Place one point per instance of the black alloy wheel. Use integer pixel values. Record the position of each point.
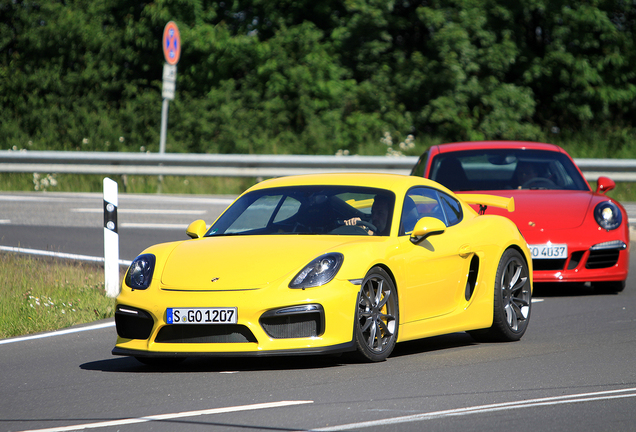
(512, 302)
(377, 316)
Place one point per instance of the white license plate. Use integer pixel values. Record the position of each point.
(202, 315)
(549, 251)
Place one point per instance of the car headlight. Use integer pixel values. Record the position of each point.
(140, 272)
(608, 215)
(318, 272)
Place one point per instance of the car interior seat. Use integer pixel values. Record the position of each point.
(451, 174)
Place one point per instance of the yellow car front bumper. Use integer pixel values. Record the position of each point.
(269, 321)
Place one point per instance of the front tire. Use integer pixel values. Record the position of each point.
(512, 302)
(377, 316)
(609, 287)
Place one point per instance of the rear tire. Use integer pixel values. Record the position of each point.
(512, 302)
(377, 316)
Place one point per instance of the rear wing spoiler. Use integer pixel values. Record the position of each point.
(484, 201)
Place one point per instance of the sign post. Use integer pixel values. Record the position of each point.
(171, 51)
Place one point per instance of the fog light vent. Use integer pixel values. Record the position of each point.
(603, 258)
(133, 323)
(301, 321)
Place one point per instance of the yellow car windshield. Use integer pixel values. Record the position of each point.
(327, 210)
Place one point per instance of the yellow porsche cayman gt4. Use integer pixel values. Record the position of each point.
(329, 263)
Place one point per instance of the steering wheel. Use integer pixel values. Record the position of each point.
(538, 182)
(367, 225)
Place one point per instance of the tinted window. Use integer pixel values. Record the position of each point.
(428, 202)
(452, 209)
(506, 169)
(420, 166)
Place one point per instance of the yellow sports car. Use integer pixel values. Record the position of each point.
(329, 263)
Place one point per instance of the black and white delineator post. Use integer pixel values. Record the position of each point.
(111, 239)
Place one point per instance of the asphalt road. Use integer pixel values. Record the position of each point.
(574, 370)
(74, 223)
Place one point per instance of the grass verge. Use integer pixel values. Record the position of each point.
(42, 294)
(623, 193)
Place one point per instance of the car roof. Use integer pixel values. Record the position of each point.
(476, 145)
(395, 182)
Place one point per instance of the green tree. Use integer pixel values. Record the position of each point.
(262, 76)
(582, 64)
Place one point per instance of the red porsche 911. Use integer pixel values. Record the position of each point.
(575, 234)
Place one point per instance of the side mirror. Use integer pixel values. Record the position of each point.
(427, 226)
(605, 184)
(196, 229)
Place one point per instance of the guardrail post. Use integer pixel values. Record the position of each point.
(111, 239)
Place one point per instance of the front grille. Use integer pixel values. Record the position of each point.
(133, 323)
(205, 333)
(599, 259)
(575, 259)
(294, 322)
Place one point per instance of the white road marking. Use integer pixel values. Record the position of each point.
(74, 197)
(173, 416)
(142, 211)
(5, 221)
(57, 333)
(480, 409)
(50, 198)
(178, 199)
(153, 225)
(58, 254)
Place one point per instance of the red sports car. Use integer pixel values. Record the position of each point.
(575, 234)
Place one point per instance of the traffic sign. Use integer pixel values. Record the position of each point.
(169, 81)
(171, 43)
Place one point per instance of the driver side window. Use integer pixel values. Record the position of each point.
(419, 203)
(452, 209)
(427, 202)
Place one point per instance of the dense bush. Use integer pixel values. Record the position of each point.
(315, 77)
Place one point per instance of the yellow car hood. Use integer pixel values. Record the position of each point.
(241, 262)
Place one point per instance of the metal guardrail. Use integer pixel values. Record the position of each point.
(237, 165)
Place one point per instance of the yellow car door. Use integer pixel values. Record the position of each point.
(435, 281)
